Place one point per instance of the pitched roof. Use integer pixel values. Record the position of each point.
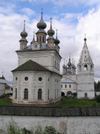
(4, 81)
(85, 55)
(67, 81)
(30, 66)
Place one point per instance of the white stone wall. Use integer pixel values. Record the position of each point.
(65, 125)
(66, 87)
(85, 84)
(71, 77)
(2, 88)
(81, 94)
(48, 59)
(50, 86)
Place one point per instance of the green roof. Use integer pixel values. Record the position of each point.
(30, 66)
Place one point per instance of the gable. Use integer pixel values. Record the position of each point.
(30, 66)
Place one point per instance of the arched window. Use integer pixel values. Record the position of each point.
(85, 95)
(55, 63)
(43, 39)
(25, 93)
(40, 38)
(69, 93)
(16, 78)
(48, 94)
(85, 67)
(91, 68)
(62, 94)
(15, 93)
(39, 94)
(79, 67)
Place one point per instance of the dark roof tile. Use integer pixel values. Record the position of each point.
(30, 66)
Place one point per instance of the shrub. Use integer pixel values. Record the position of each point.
(39, 130)
(49, 130)
(74, 94)
(97, 98)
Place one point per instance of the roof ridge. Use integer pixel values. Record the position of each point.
(30, 65)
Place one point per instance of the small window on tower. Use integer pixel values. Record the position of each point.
(85, 68)
(55, 63)
(40, 38)
(79, 67)
(43, 39)
(91, 68)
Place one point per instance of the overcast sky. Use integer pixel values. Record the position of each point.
(72, 18)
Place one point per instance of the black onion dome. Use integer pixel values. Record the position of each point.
(24, 33)
(51, 32)
(69, 63)
(56, 41)
(41, 24)
(73, 66)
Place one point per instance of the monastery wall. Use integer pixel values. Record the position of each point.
(66, 120)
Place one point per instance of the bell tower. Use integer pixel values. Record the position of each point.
(85, 74)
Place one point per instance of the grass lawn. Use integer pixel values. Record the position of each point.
(74, 102)
(65, 102)
(5, 102)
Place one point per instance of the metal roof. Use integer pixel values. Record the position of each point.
(30, 66)
(42, 46)
(5, 81)
(67, 81)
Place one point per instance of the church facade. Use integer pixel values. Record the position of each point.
(81, 83)
(37, 78)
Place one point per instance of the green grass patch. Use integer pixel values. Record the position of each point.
(5, 102)
(74, 102)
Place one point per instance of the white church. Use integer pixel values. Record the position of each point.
(81, 83)
(37, 78)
